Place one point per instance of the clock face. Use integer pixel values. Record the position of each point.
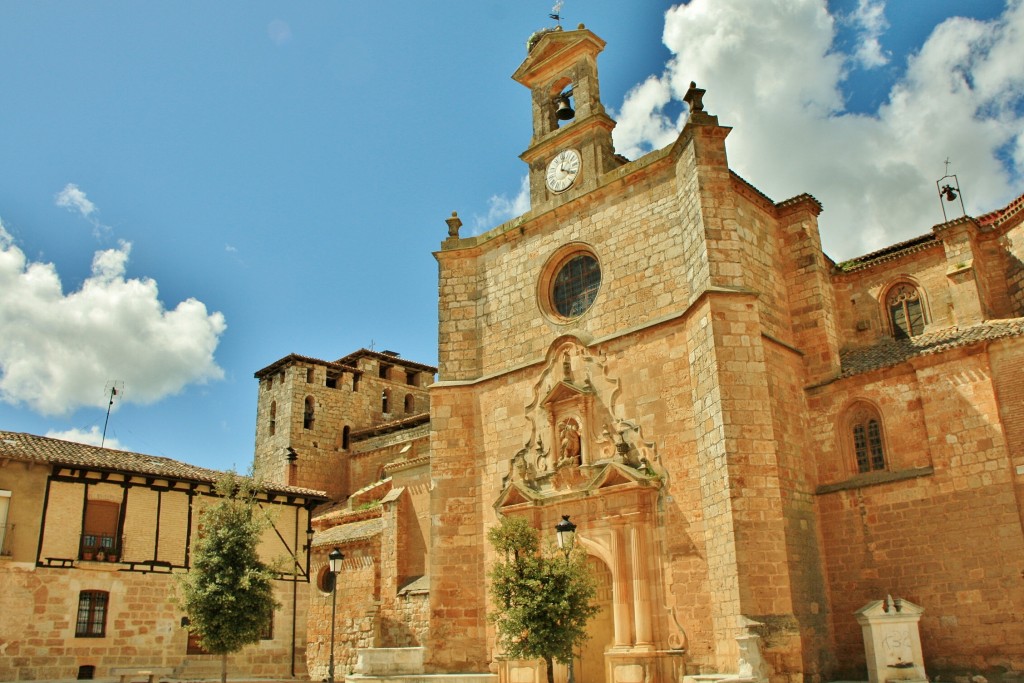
(563, 169)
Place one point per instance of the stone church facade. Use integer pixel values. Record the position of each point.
(755, 441)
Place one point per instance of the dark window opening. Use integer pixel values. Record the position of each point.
(410, 403)
(309, 375)
(92, 615)
(384, 371)
(307, 414)
(355, 382)
(273, 417)
(385, 398)
(345, 437)
(411, 377)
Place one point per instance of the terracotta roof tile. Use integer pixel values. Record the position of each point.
(42, 449)
(351, 359)
(890, 352)
(294, 357)
(347, 533)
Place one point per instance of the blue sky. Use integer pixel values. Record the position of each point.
(192, 190)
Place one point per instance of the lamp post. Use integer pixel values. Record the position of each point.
(565, 532)
(334, 562)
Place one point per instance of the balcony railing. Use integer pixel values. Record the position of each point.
(7, 541)
(100, 548)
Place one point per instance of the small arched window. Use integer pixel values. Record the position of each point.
(345, 432)
(385, 399)
(410, 403)
(273, 417)
(906, 310)
(866, 439)
(308, 413)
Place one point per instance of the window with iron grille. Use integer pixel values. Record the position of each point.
(92, 614)
(867, 445)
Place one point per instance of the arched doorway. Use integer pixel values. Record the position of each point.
(590, 663)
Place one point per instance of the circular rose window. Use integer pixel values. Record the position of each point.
(575, 284)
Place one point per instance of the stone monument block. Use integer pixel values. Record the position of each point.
(892, 640)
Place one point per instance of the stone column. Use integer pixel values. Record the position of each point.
(621, 592)
(641, 601)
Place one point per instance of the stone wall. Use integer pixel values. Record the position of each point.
(143, 627)
(322, 461)
(937, 527)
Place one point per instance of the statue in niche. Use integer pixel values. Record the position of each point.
(569, 444)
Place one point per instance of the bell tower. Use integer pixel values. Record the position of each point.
(572, 135)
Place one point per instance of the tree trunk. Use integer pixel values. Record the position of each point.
(551, 669)
(224, 668)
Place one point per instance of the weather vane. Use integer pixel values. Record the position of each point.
(556, 12)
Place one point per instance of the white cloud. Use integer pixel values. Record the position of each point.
(500, 208)
(92, 437)
(869, 18)
(73, 199)
(775, 76)
(59, 350)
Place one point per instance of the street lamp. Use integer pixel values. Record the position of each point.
(565, 532)
(334, 564)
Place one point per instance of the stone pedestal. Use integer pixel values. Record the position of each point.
(892, 640)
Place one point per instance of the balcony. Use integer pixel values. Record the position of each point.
(7, 540)
(100, 548)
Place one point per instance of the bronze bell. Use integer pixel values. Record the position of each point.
(564, 111)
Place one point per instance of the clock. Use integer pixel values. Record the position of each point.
(562, 170)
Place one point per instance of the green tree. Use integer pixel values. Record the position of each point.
(542, 599)
(227, 593)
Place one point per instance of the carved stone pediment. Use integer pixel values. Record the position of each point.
(593, 480)
(566, 391)
(576, 438)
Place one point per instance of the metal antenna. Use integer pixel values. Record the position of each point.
(114, 387)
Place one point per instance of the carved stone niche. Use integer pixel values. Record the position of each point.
(569, 410)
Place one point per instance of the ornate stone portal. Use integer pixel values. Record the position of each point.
(583, 457)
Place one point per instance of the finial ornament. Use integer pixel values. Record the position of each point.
(454, 223)
(694, 97)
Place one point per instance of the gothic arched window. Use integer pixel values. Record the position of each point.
(906, 310)
(864, 426)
